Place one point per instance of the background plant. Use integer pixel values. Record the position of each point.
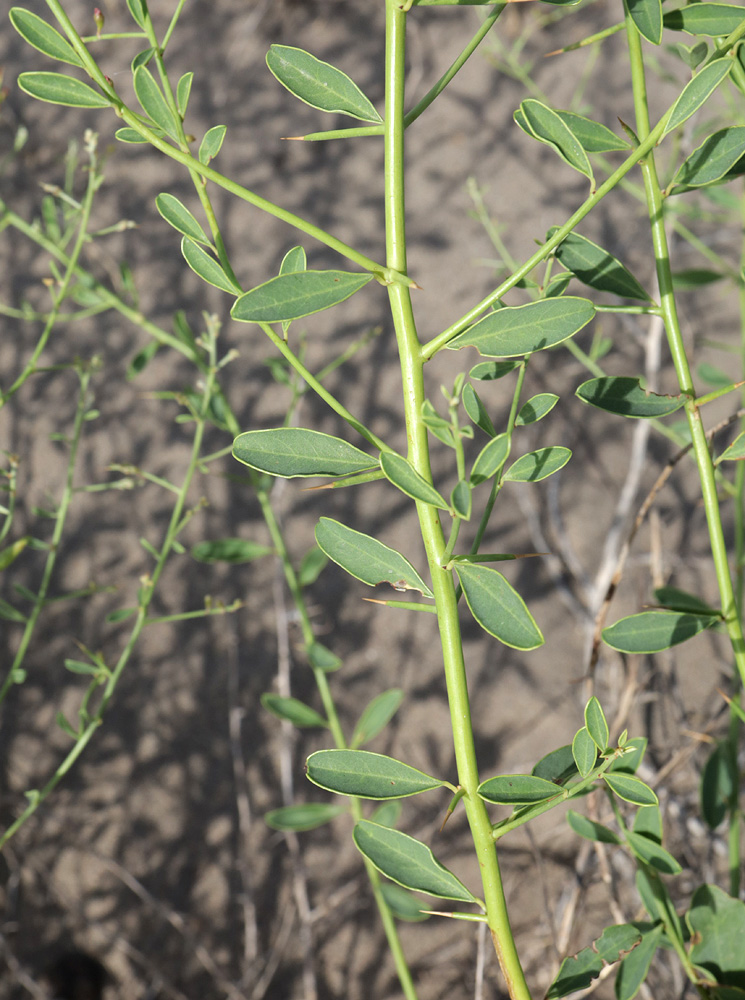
(570, 311)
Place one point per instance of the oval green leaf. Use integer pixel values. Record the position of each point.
(152, 101)
(490, 459)
(319, 84)
(402, 904)
(294, 260)
(652, 853)
(624, 395)
(178, 215)
(538, 465)
(367, 775)
(517, 330)
(56, 88)
(460, 500)
(596, 267)
(634, 968)
(497, 607)
(653, 631)
(138, 10)
(212, 143)
(705, 18)
(591, 830)
(376, 716)
(536, 408)
(292, 710)
(366, 558)
(303, 817)
(129, 135)
(294, 451)
(547, 126)
(183, 92)
(476, 410)
(489, 371)
(630, 788)
(207, 268)
(403, 475)
(291, 296)
(697, 91)
(408, 862)
(517, 789)
(322, 658)
(647, 16)
(230, 550)
(596, 723)
(42, 36)
(710, 161)
(557, 766)
(719, 782)
(584, 751)
(594, 137)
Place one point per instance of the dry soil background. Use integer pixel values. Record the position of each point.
(153, 854)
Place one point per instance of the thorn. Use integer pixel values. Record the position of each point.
(293, 138)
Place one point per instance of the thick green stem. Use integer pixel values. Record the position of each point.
(442, 581)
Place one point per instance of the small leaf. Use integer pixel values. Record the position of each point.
(138, 10)
(717, 924)
(647, 16)
(207, 268)
(56, 88)
(591, 830)
(10, 614)
(734, 452)
(402, 904)
(212, 143)
(695, 277)
(293, 261)
(705, 18)
(183, 92)
(319, 84)
(476, 410)
(178, 215)
(694, 55)
(489, 371)
(490, 459)
(376, 716)
(634, 968)
(312, 565)
(81, 667)
(10, 553)
(596, 267)
(518, 330)
(497, 607)
(366, 558)
(630, 788)
(367, 775)
(653, 631)
(651, 853)
(596, 724)
(719, 782)
(460, 499)
(294, 451)
(303, 817)
(584, 751)
(42, 36)
(697, 91)
(536, 408)
(715, 377)
(121, 615)
(517, 789)
(632, 757)
(594, 137)
(625, 396)
(322, 658)
(152, 101)
(557, 766)
(681, 600)
(577, 972)
(548, 127)
(293, 711)
(292, 296)
(403, 475)
(230, 550)
(709, 163)
(408, 862)
(129, 135)
(537, 465)
(387, 813)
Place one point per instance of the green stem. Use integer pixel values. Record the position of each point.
(442, 581)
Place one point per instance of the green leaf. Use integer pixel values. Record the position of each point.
(142, 59)
(632, 756)
(596, 267)
(634, 968)
(557, 766)
(322, 658)
(537, 465)
(207, 268)
(42, 36)
(367, 775)
(719, 783)
(697, 91)
(497, 607)
(596, 724)
(594, 137)
(81, 667)
(376, 716)
(292, 296)
(183, 92)
(319, 84)
(536, 408)
(591, 830)
(489, 371)
(717, 924)
(312, 565)
(152, 101)
(681, 600)
(648, 821)
(56, 88)
(584, 751)
(403, 475)
(544, 124)
(653, 631)
(212, 143)
(647, 16)
(625, 396)
(578, 971)
(387, 813)
(230, 550)
(630, 789)
(490, 459)
(517, 330)
(705, 18)
(402, 904)
(476, 410)
(10, 614)
(10, 553)
(709, 163)
(303, 817)
(460, 499)
(295, 451)
(695, 277)
(294, 260)
(408, 862)
(366, 558)
(517, 789)
(129, 135)
(651, 853)
(694, 55)
(735, 452)
(138, 10)
(121, 615)
(178, 215)
(713, 376)
(293, 711)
